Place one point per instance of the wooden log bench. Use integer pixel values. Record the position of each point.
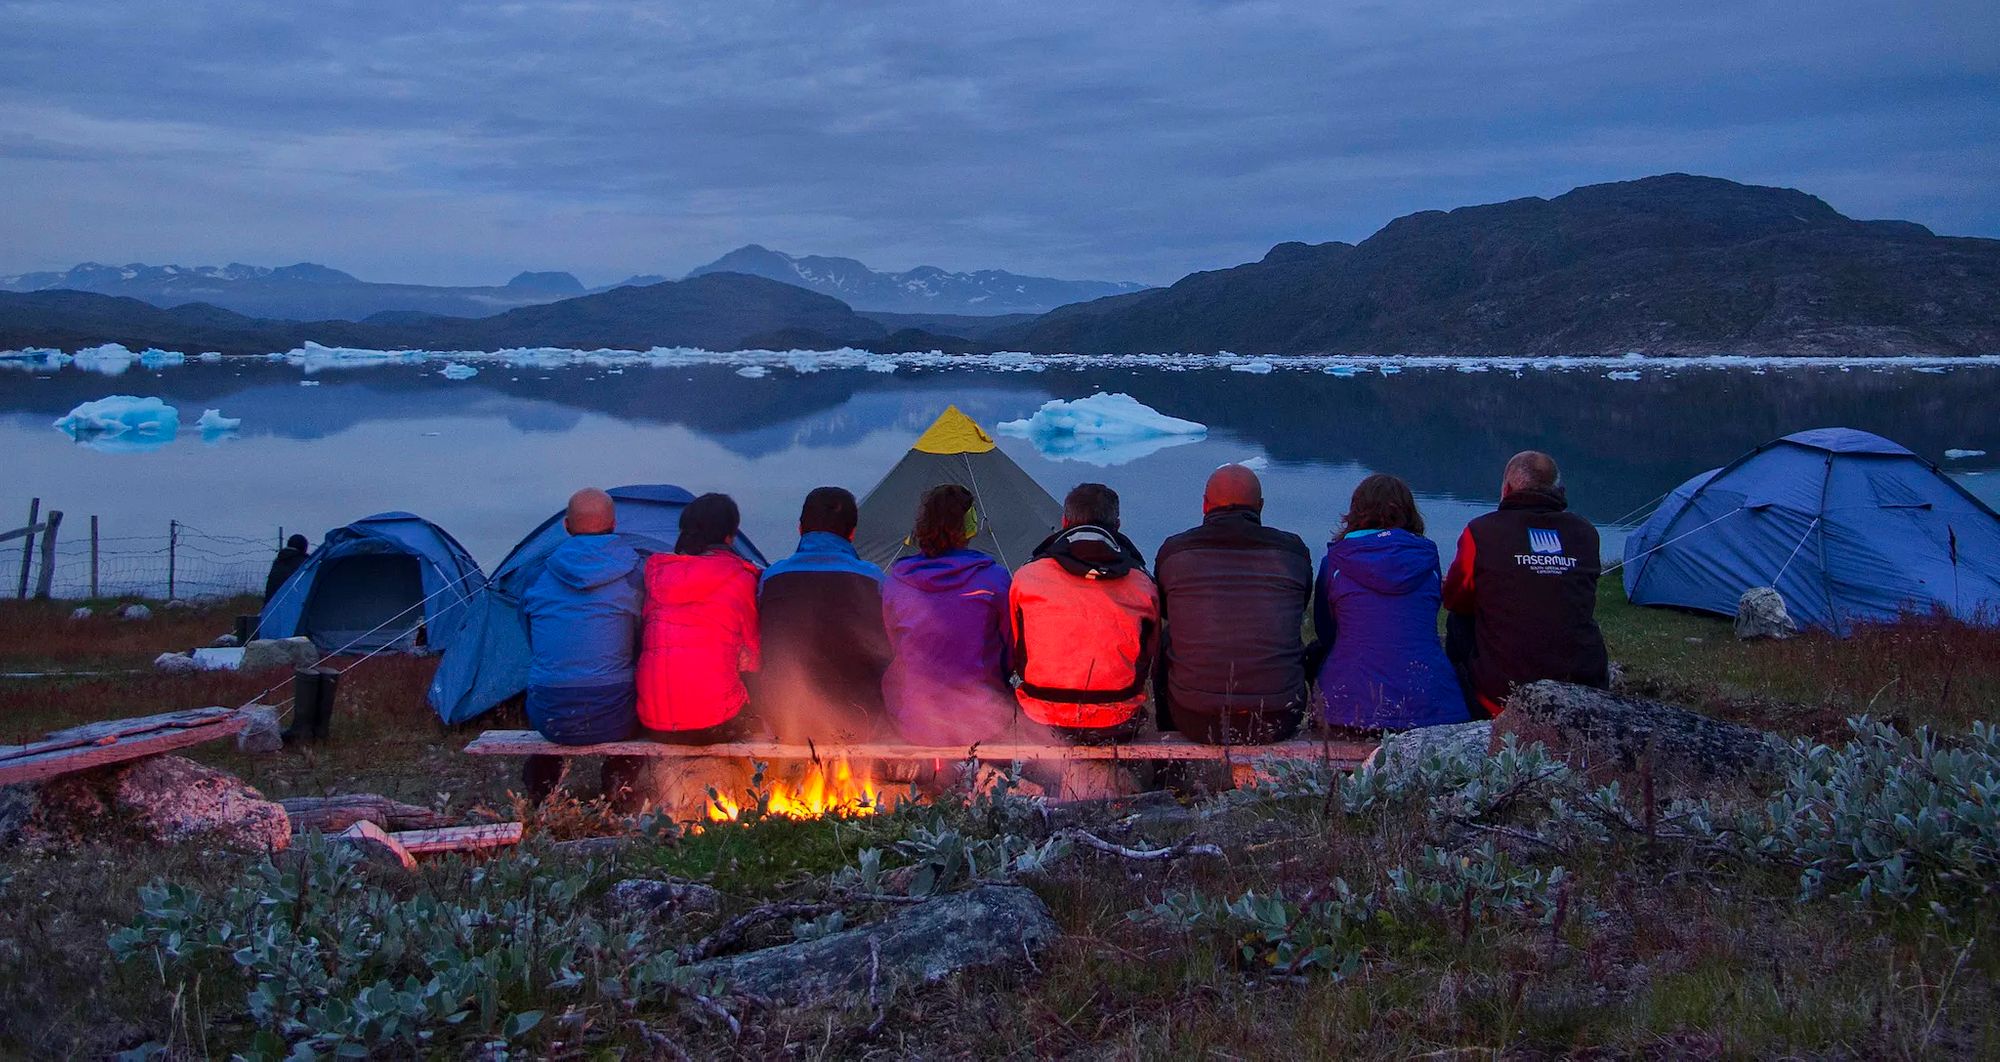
(115, 741)
(1164, 747)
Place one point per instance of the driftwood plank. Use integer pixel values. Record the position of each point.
(108, 730)
(50, 763)
(335, 813)
(459, 838)
(1170, 747)
(377, 843)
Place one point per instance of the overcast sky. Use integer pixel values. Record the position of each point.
(459, 143)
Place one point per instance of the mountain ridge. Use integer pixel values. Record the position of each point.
(922, 290)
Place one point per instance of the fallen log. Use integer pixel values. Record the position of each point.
(459, 838)
(332, 814)
(377, 844)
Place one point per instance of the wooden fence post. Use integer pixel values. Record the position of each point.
(173, 546)
(44, 581)
(28, 548)
(93, 555)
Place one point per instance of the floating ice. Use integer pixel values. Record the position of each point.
(155, 358)
(882, 365)
(209, 356)
(1256, 464)
(1103, 429)
(1259, 367)
(212, 422)
(457, 370)
(753, 372)
(1623, 374)
(308, 383)
(1960, 455)
(122, 424)
(109, 359)
(1344, 371)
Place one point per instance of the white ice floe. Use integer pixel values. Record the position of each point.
(109, 359)
(1622, 374)
(1961, 455)
(1102, 429)
(212, 422)
(457, 370)
(882, 365)
(155, 358)
(122, 423)
(209, 356)
(1256, 464)
(1260, 367)
(754, 372)
(1344, 371)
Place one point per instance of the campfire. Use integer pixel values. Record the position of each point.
(809, 790)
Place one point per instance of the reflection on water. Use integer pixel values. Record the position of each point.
(489, 457)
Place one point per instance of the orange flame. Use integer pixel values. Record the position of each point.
(821, 790)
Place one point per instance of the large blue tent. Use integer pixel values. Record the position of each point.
(392, 581)
(1847, 526)
(490, 662)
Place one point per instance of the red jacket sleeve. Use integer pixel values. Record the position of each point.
(746, 609)
(1458, 591)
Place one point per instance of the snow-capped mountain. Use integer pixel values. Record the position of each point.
(925, 289)
(302, 292)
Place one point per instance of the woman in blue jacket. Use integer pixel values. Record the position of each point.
(1375, 605)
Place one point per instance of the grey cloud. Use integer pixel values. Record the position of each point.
(465, 141)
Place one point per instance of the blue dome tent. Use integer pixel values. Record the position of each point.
(490, 662)
(393, 581)
(1847, 526)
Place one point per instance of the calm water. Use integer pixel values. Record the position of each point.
(489, 457)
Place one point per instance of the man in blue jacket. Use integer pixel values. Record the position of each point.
(583, 639)
(819, 617)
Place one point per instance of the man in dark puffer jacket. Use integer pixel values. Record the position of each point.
(1522, 592)
(819, 612)
(1233, 595)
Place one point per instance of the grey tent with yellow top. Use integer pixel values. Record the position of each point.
(1015, 513)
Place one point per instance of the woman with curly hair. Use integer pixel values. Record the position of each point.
(946, 610)
(1375, 608)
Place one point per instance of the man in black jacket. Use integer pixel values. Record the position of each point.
(819, 616)
(1233, 596)
(288, 561)
(1522, 592)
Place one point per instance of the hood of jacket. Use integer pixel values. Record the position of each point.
(1553, 500)
(1386, 562)
(1092, 552)
(943, 573)
(701, 574)
(586, 562)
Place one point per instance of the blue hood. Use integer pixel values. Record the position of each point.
(822, 551)
(586, 562)
(1386, 562)
(945, 572)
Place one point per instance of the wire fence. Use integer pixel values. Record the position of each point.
(178, 561)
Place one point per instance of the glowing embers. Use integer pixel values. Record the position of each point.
(801, 791)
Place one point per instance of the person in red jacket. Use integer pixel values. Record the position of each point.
(1086, 625)
(699, 630)
(1522, 592)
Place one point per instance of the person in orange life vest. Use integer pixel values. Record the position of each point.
(699, 630)
(1086, 620)
(1522, 592)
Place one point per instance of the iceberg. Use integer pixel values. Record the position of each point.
(1102, 429)
(1961, 455)
(212, 422)
(1622, 374)
(753, 372)
(1260, 367)
(458, 370)
(122, 424)
(110, 359)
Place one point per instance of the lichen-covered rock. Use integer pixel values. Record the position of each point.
(135, 612)
(175, 664)
(264, 653)
(1760, 613)
(264, 734)
(1609, 733)
(158, 800)
(655, 897)
(1400, 751)
(988, 926)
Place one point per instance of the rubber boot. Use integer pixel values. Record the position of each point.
(329, 684)
(305, 705)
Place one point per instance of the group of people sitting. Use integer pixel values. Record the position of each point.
(948, 648)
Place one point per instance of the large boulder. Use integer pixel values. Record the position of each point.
(988, 926)
(1403, 750)
(1760, 613)
(265, 653)
(1608, 734)
(158, 800)
(264, 733)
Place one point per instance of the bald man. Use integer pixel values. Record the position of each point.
(1522, 591)
(1233, 596)
(583, 637)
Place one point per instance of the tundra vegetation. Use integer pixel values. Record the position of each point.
(1497, 898)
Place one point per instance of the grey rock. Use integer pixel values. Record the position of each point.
(1401, 751)
(225, 641)
(593, 847)
(264, 734)
(652, 896)
(1600, 730)
(1760, 613)
(135, 612)
(265, 653)
(81, 612)
(175, 664)
(159, 800)
(988, 926)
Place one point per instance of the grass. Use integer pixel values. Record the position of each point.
(1679, 959)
